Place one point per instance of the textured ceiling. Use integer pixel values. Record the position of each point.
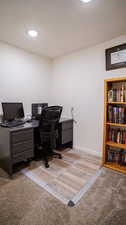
(63, 25)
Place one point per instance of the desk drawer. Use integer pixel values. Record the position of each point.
(22, 147)
(23, 156)
(23, 135)
(67, 136)
(67, 125)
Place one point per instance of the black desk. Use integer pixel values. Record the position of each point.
(17, 143)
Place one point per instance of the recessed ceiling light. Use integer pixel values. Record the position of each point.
(33, 33)
(85, 1)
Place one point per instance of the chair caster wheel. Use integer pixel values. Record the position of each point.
(47, 165)
(60, 157)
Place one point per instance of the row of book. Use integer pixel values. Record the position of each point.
(116, 114)
(115, 155)
(117, 135)
(117, 94)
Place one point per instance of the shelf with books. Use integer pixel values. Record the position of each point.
(117, 92)
(114, 145)
(116, 114)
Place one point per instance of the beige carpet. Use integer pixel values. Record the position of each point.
(22, 202)
(66, 179)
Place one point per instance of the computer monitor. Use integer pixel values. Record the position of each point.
(37, 109)
(12, 111)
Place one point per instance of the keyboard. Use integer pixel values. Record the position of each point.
(14, 123)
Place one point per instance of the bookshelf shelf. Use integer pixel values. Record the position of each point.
(113, 144)
(115, 131)
(116, 124)
(115, 166)
(118, 103)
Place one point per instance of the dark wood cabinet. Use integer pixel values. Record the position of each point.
(16, 145)
(65, 134)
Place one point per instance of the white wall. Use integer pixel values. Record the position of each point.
(74, 80)
(24, 76)
(78, 81)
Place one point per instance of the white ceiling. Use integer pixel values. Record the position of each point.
(63, 25)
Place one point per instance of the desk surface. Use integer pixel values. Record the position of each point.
(33, 124)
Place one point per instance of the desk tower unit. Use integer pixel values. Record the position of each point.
(114, 146)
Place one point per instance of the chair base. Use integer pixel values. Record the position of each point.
(44, 154)
(53, 154)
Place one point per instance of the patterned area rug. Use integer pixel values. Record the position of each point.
(67, 179)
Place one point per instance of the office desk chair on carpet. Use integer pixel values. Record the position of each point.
(48, 132)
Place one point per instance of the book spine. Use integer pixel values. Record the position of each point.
(125, 94)
(110, 95)
(122, 94)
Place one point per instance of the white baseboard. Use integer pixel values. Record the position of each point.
(90, 151)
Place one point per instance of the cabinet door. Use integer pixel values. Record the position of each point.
(22, 145)
(67, 125)
(67, 136)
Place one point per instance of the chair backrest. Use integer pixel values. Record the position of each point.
(50, 118)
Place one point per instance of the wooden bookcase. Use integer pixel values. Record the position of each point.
(118, 86)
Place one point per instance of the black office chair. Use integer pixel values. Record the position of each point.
(48, 126)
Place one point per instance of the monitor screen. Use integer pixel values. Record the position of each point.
(37, 108)
(12, 111)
